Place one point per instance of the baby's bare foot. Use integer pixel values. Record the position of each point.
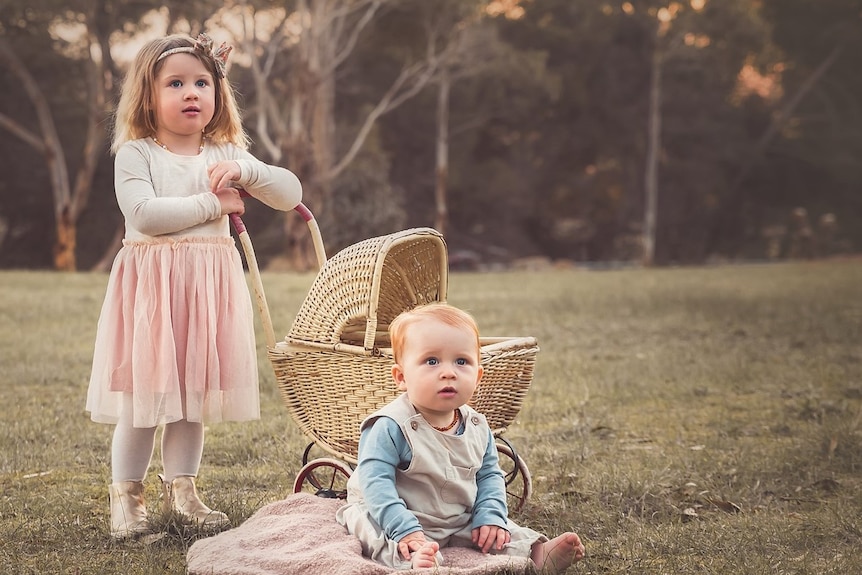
(426, 556)
(555, 556)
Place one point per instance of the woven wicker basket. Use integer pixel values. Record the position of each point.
(334, 367)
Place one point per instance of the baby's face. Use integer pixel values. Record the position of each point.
(439, 367)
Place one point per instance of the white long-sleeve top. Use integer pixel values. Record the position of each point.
(161, 193)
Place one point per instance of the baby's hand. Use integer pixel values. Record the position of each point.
(411, 542)
(230, 200)
(489, 537)
(222, 173)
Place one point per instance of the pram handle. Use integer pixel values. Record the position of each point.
(254, 268)
(316, 237)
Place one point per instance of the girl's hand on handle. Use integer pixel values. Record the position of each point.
(230, 200)
(222, 173)
(411, 542)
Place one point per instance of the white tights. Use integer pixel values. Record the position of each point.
(132, 449)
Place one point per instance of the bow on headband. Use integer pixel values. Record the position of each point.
(204, 45)
(218, 55)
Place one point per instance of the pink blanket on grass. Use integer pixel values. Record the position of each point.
(299, 535)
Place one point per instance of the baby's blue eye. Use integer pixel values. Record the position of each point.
(432, 361)
(176, 84)
(201, 84)
(461, 361)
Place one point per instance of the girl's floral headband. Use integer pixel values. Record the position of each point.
(204, 45)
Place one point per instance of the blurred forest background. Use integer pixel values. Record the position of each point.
(649, 131)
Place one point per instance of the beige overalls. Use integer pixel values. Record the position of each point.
(438, 487)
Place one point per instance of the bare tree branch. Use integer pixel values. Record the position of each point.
(100, 82)
(418, 76)
(22, 133)
(350, 43)
(52, 149)
(260, 76)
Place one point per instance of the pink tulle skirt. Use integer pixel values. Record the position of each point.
(176, 332)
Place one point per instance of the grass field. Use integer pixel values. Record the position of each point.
(698, 421)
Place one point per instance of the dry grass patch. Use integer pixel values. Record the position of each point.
(700, 420)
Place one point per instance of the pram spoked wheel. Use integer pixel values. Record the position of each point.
(325, 477)
(519, 485)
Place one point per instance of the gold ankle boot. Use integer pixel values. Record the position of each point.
(128, 510)
(181, 496)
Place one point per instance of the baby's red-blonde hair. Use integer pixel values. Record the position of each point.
(442, 312)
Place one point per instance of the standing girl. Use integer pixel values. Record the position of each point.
(175, 341)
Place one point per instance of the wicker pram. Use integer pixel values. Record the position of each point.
(334, 367)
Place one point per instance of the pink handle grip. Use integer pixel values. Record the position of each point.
(235, 219)
(237, 222)
(303, 211)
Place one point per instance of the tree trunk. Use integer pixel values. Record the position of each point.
(64, 246)
(312, 128)
(444, 89)
(50, 146)
(653, 153)
(68, 202)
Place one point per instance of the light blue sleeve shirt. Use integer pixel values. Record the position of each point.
(383, 448)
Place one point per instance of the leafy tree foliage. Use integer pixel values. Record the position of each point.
(815, 162)
(745, 109)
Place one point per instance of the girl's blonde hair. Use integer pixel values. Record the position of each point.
(136, 116)
(442, 312)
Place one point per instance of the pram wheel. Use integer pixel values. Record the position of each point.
(325, 477)
(519, 485)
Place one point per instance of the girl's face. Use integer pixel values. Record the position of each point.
(185, 99)
(439, 369)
